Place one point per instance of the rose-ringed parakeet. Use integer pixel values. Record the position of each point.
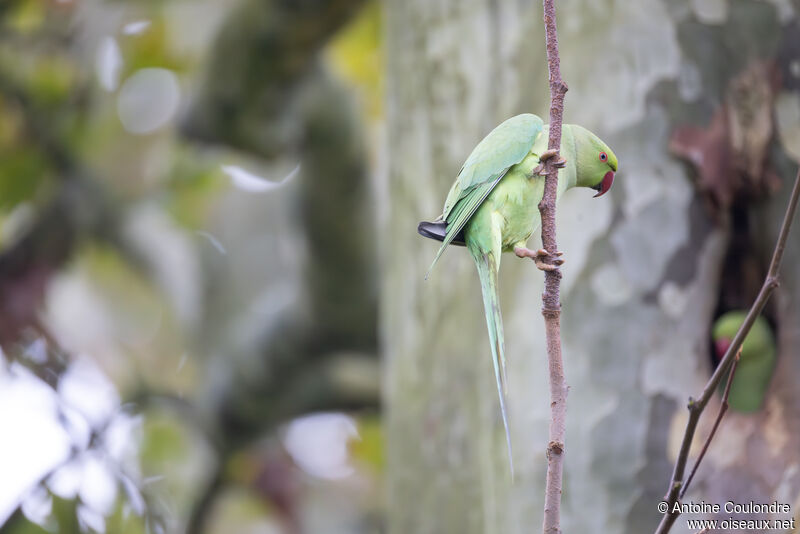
(756, 363)
(493, 207)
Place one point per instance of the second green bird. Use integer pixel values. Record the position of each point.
(493, 208)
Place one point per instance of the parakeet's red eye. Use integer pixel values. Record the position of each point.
(603, 157)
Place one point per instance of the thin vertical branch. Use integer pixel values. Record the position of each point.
(677, 486)
(722, 410)
(551, 305)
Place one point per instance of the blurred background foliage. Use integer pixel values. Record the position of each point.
(168, 294)
(207, 213)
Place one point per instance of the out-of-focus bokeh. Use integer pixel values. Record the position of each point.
(213, 312)
(188, 275)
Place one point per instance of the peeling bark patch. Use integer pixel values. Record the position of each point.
(645, 245)
(654, 468)
(673, 300)
(675, 436)
(711, 11)
(730, 154)
(708, 150)
(682, 266)
(775, 432)
(610, 286)
(787, 110)
(749, 106)
(789, 57)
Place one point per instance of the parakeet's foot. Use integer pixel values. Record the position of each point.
(546, 155)
(539, 258)
(549, 154)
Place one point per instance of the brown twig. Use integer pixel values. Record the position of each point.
(551, 307)
(722, 410)
(202, 507)
(696, 407)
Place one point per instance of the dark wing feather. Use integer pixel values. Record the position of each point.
(437, 230)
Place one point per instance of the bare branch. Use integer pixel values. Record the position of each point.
(551, 307)
(202, 507)
(696, 407)
(722, 410)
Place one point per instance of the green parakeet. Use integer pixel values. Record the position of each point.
(756, 364)
(493, 207)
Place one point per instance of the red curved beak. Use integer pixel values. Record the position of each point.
(605, 185)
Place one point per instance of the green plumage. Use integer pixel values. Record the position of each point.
(504, 147)
(756, 363)
(494, 201)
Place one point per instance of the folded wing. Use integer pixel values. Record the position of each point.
(504, 147)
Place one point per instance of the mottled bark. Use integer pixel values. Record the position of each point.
(641, 287)
(452, 76)
(679, 485)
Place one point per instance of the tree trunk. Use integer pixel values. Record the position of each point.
(643, 278)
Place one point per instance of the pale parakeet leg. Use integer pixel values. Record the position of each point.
(538, 257)
(548, 154)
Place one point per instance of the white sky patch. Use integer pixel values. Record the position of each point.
(108, 64)
(136, 27)
(34, 441)
(76, 425)
(91, 520)
(318, 444)
(37, 505)
(148, 100)
(87, 390)
(135, 498)
(37, 351)
(253, 183)
(214, 241)
(119, 439)
(66, 482)
(171, 257)
(43, 427)
(98, 487)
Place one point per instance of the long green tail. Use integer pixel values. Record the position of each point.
(487, 272)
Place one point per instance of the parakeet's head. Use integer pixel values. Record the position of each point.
(756, 365)
(596, 162)
(759, 340)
